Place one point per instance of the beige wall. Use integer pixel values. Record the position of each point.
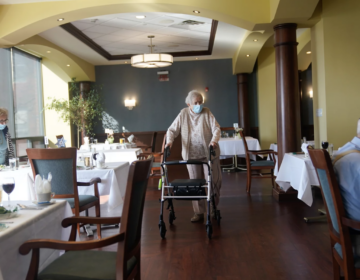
(55, 84)
(336, 45)
(267, 97)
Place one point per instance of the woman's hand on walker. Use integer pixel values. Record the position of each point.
(168, 145)
(214, 144)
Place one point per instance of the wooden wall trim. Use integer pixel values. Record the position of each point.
(70, 28)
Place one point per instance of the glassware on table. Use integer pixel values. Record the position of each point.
(331, 149)
(95, 141)
(17, 163)
(324, 144)
(12, 164)
(1, 191)
(87, 161)
(8, 185)
(304, 140)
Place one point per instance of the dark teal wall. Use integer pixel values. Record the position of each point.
(158, 103)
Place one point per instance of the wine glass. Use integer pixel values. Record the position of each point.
(325, 144)
(8, 185)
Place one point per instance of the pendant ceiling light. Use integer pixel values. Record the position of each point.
(151, 60)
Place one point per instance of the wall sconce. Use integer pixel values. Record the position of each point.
(130, 103)
(311, 94)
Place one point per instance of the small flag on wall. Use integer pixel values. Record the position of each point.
(163, 76)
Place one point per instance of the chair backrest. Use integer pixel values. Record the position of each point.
(332, 198)
(131, 219)
(62, 165)
(245, 147)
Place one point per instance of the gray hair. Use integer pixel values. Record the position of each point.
(192, 95)
(358, 127)
(4, 112)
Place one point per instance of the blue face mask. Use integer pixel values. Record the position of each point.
(197, 108)
(2, 126)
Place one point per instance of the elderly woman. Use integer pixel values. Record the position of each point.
(6, 147)
(199, 130)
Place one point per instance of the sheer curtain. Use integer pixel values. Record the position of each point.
(27, 95)
(6, 92)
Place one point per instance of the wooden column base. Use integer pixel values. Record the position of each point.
(280, 195)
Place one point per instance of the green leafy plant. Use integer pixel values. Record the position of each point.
(82, 112)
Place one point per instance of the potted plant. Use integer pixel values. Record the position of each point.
(110, 136)
(82, 110)
(237, 132)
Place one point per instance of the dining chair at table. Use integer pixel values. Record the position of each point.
(61, 163)
(81, 261)
(343, 237)
(157, 160)
(258, 165)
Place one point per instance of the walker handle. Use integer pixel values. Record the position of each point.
(211, 152)
(166, 153)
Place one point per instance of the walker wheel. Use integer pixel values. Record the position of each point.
(218, 217)
(162, 229)
(171, 217)
(209, 231)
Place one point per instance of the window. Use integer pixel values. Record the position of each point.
(21, 94)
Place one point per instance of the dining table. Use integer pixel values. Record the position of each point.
(298, 172)
(114, 155)
(27, 225)
(113, 183)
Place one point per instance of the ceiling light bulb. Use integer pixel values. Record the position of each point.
(140, 17)
(248, 55)
(125, 62)
(68, 65)
(196, 12)
(48, 51)
(309, 52)
(196, 58)
(60, 19)
(255, 40)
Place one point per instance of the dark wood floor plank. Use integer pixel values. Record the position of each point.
(258, 238)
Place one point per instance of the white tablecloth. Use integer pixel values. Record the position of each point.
(232, 146)
(298, 172)
(113, 182)
(118, 155)
(103, 146)
(31, 224)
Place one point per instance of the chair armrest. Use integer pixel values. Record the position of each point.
(265, 151)
(90, 220)
(350, 223)
(90, 183)
(261, 152)
(26, 247)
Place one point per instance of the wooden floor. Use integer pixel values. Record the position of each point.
(258, 238)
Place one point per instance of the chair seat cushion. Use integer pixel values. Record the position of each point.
(81, 265)
(262, 163)
(156, 164)
(83, 200)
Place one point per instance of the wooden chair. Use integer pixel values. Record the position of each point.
(80, 261)
(340, 227)
(258, 165)
(157, 160)
(62, 165)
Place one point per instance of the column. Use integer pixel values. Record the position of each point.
(287, 97)
(243, 108)
(287, 90)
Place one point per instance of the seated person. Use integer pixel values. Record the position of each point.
(6, 147)
(347, 171)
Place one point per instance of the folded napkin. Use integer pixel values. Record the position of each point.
(304, 148)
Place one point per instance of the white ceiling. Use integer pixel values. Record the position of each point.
(124, 34)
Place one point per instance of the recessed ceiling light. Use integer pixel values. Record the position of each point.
(255, 40)
(196, 58)
(309, 52)
(48, 51)
(248, 55)
(60, 19)
(68, 65)
(196, 12)
(140, 17)
(125, 62)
